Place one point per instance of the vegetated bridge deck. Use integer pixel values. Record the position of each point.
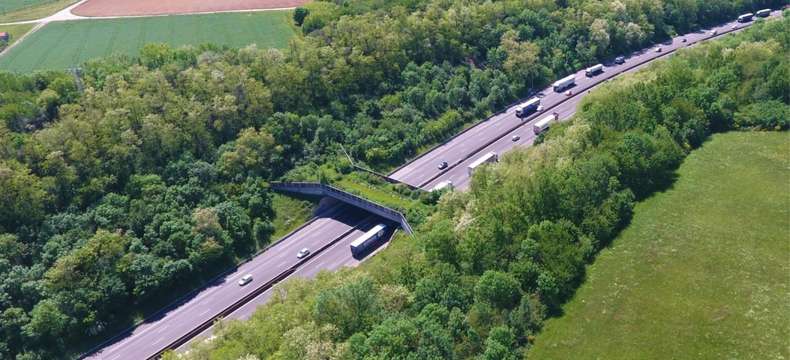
(319, 189)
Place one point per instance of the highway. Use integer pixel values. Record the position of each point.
(164, 328)
(345, 222)
(333, 258)
(495, 133)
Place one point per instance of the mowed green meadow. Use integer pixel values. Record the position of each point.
(7, 6)
(67, 44)
(703, 270)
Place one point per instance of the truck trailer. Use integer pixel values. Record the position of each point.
(764, 13)
(564, 83)
(545, 123)
(448, 184)
(593, 70)
(745, 17)
(487, 158)
(528, 107)
(363, 243)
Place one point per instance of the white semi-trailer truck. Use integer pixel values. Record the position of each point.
(545, 123)
(593, 70)
(564, 83)
(528, 107)
(487, 158)
(363, 243)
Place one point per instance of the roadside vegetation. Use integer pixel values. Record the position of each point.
(491, 265)
(699, 263)
(140, 174)
(22, 10)
(62, 45)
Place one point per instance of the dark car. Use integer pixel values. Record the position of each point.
(619, 60)
(442, 165)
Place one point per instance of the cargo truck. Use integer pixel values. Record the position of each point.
(545, 123)
(564, 83)
(528, 107)
(487, 158)
(745, 17)
(366, 240)
(764, 13)
(593, 70)
(443, 185)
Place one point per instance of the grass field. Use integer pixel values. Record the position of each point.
(67, 44)
(703, 270)
(21, 10)
(16, 31)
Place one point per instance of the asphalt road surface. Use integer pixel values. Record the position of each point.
(333, 258)
(496, 132)
(157, 332)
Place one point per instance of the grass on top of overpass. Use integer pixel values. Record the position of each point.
(62, 45)
(702, 272)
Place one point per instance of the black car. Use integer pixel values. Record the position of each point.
(619, 60)
(442, 165)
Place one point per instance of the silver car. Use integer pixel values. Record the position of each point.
(302, 253)
(246, 279)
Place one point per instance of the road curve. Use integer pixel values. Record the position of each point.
(495, 133)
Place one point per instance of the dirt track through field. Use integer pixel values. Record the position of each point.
(164, 7)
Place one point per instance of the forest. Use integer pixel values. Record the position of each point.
(132, 177)
(491, 265)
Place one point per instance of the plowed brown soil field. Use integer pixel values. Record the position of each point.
(165, 7)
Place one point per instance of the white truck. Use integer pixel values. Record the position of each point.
(528, 107)
(545, 123)
(745, 17)
(764, 13)
(363, 243)
(564, 83)
(487, 158)
(593, 70)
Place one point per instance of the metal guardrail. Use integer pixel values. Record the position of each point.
(346, 197)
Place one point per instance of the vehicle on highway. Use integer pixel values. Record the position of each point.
(443, 185)
(683, 40)
(545, 123)
(363, 243)
(714, 32)
(302, 253)
(540, 108)
(763, 13)
(442, 165)
(515, 138)
(487, 158)
(619, 60)
(246, 279)
(593, 70)
(528, 107)
(564, 83)
(745, 17)
(658, 49)
(569, 93)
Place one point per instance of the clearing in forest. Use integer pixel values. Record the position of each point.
(703, 270)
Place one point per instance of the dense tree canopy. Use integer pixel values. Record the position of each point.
(132, 176)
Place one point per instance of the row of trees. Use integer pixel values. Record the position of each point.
(491, 264)
(142, 173)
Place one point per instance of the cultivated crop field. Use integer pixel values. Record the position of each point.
(703, 270)
(7, 6)
(67, 44)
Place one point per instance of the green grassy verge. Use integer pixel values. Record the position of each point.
(22, 10)
(702, 272)
(15, 31)
(289, 214)
(68, 44)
